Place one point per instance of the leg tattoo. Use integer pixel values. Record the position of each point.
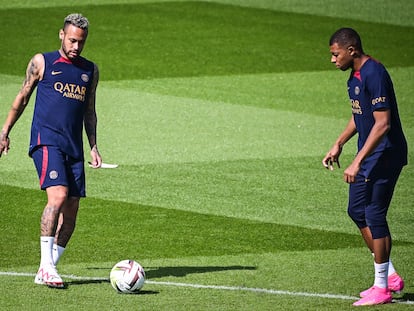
(49, 220)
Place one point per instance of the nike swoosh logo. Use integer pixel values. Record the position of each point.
(54, 73)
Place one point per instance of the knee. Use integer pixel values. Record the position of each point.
(357, 216)
(377, 221)
(56, 196)
(380, 231)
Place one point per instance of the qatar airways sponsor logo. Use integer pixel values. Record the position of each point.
(356, 107)
(71, 90)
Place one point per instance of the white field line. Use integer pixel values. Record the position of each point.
(216, 287)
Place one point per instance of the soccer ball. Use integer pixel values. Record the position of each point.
(127, 277)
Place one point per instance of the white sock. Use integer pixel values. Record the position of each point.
(391, 269)
(381, 274)
(46, 245)
(56, 253)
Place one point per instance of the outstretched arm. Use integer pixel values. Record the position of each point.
(91, 121)
(34, 73)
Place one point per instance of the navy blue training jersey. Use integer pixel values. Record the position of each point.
(371, 89)
(61, 99)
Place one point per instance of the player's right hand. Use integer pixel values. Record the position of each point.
(328, 162)
(4, 145)
(332, 157)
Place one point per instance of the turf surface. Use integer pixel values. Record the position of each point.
(218, 114)
(177, 39)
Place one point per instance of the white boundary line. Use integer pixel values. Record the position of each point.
(255, 290)
(216, 287)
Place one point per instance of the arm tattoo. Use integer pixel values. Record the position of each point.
(31, 79)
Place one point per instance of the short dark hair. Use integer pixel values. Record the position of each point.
(346, 37)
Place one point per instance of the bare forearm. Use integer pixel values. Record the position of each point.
(90, 118)
(347, 134)
(90, 128)
(14, 114)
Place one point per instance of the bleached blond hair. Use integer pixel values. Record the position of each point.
(78, 20)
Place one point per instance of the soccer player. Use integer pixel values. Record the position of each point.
(65, 103)
(382, 153)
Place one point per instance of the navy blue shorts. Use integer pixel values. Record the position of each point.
(55, 168)
(370, 197)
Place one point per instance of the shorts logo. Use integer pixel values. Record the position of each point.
(53, 174)
(357, 90)
(84, 77)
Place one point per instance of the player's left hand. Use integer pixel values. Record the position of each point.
(351, 172)
(96, 158)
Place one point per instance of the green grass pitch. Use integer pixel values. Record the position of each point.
(218, 114)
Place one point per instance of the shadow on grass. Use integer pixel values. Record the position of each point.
(406, 297)
(159, 272)
(87, 281)
(104, 280)
(180, 271)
